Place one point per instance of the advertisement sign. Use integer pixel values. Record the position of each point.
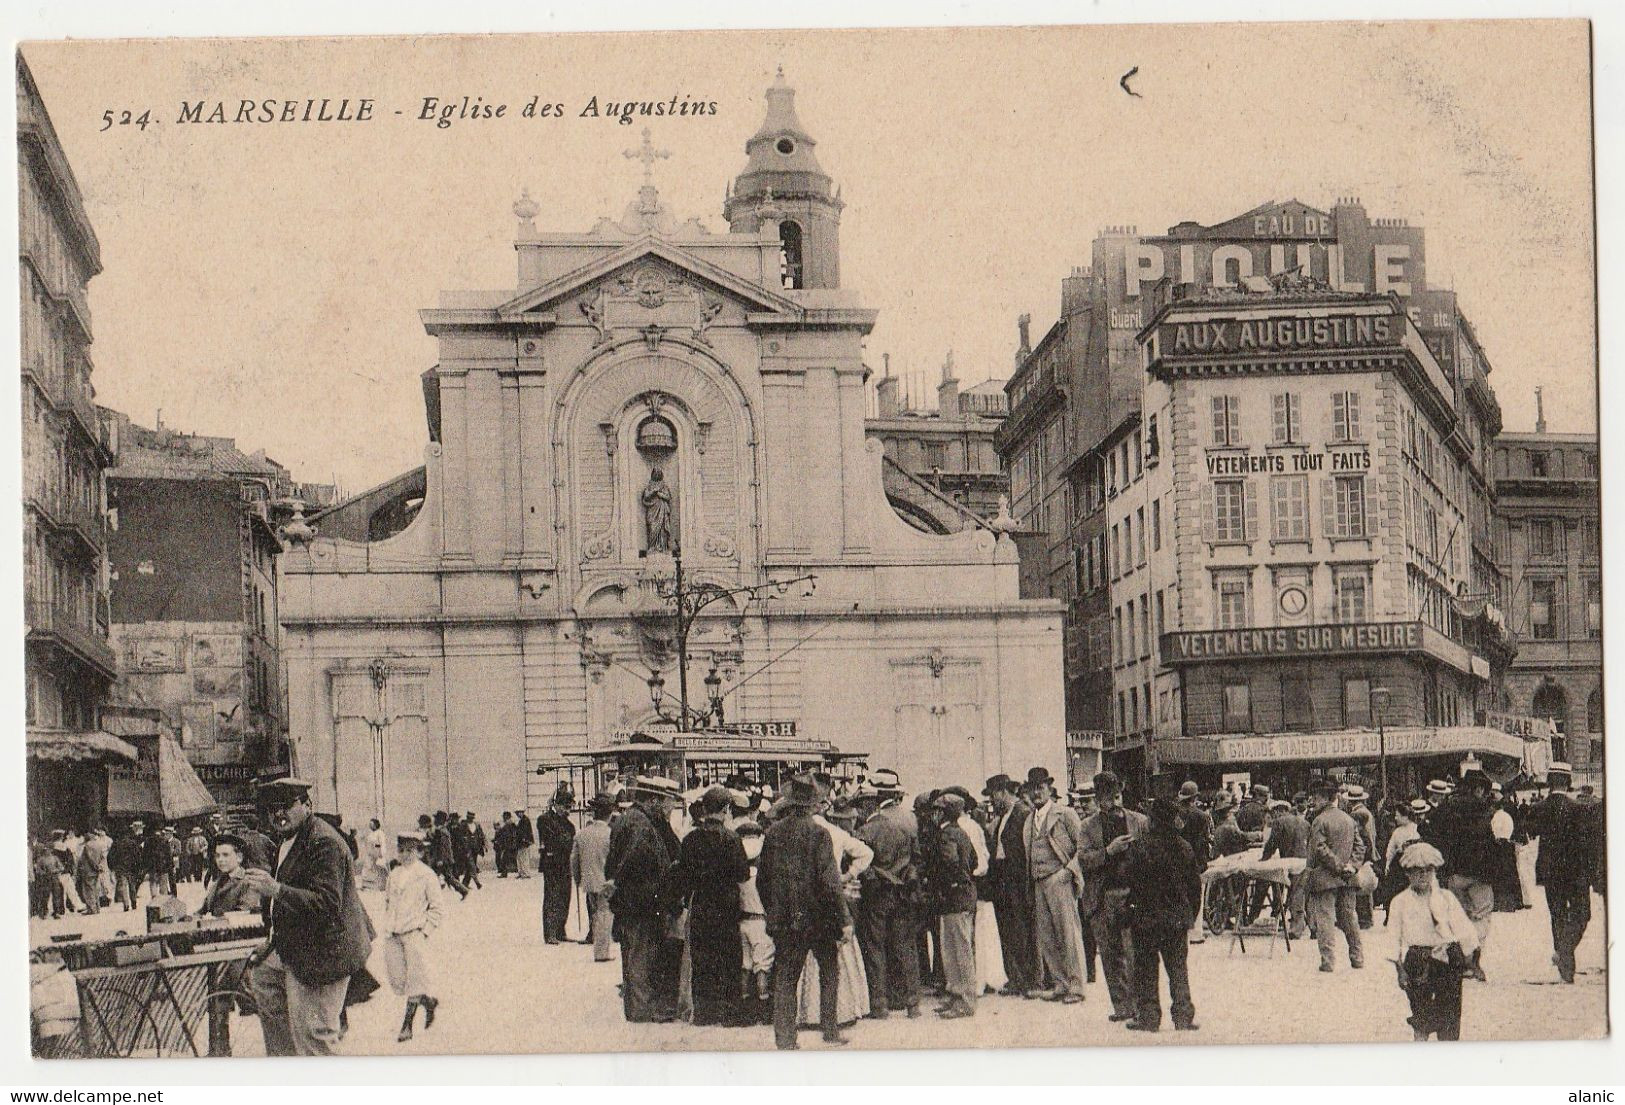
(1529, 728)
(133, 788)
(155, 654)
(1349, 745)
(217, 650)
(1307, 640)
(1294, 334)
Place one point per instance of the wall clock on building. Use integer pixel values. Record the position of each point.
(1294, 601)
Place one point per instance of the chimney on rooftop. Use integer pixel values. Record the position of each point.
(1540, 413)
(948, 390)
(886, 390)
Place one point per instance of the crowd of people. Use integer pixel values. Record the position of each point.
(74, 873)
(830, 904)
(836, 901)
(825, 905)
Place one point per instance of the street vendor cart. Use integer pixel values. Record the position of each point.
(176, 990)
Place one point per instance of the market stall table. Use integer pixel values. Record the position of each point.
(1230, 882)
(169, 992)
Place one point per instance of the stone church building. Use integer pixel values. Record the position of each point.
(652, 387)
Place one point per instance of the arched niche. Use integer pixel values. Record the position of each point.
(603, 471)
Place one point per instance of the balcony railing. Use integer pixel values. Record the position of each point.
(73, 634)
(77, 404)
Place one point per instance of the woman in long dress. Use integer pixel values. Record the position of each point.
(853, 857)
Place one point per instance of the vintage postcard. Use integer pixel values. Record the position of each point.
(882, 539)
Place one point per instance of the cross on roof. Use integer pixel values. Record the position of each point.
(647, 154)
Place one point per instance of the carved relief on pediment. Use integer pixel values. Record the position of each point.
(651, 300)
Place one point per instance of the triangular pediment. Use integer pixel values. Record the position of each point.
(637, 256)
(1284, 219)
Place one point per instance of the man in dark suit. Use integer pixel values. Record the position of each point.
(1106, 837)
(642, 849)
(1566, 866)
(524, 844)
(1165, 891)
(319, 931)
(800, 887)
(556, 836)
(1198, 824)
(1010, 886)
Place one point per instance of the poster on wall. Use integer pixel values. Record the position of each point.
(197, 725)
(215, 682)
(155, 654)
(217, 650)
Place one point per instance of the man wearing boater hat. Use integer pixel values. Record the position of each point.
(887, 917)
(319, 932)
(642, 846)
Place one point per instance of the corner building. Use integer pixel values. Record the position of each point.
(1310, 485)
(517, 615)
(1550, 507)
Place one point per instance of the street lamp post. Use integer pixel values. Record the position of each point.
(1379, 697)
(687, 603)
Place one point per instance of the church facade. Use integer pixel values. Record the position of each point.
(651, 390)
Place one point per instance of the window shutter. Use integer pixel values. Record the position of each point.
(1249, 498)
(1220, 420)
(1279, 415)
(1209, 529)
(1233, 413)
(1294, 403)
(1370, 509)
(1328, 506)
(1353, 402)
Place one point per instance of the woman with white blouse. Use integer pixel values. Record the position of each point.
(852, 858)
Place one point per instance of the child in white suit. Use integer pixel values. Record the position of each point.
(411, 913)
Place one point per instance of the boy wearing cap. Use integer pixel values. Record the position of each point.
(1434, 939)
(229, 892)
(411, 912)
(951, 887)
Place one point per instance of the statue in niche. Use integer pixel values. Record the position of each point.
(657, 513)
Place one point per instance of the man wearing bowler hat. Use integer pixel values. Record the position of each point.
(1053, 840)
(1104, 856)
(1010, 886)
(319, 932)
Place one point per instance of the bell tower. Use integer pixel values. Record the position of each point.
(784, 186)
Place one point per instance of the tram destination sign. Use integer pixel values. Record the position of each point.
(1303, 640)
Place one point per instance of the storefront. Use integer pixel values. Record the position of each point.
(1288, 762)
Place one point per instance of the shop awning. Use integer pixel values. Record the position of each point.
(161, 782)
(68, 744)
(1347, 745)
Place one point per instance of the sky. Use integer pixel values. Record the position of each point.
(262, 280)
